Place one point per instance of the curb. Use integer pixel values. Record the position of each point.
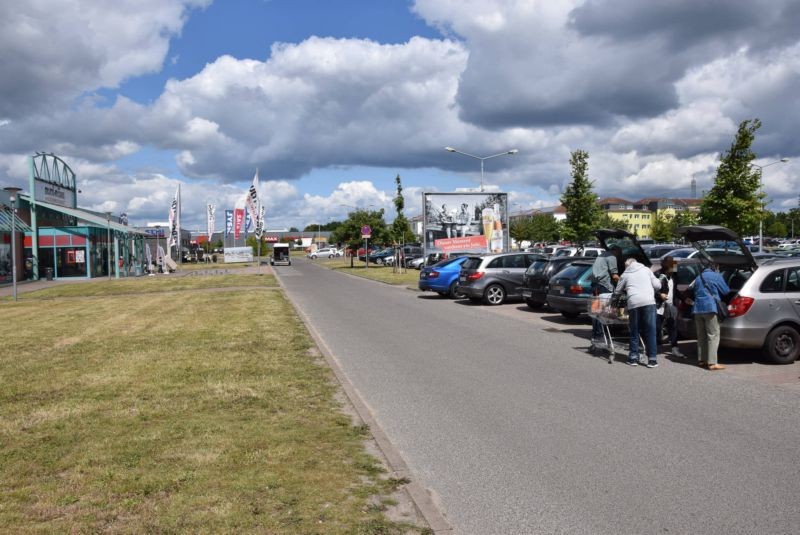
(421, 498)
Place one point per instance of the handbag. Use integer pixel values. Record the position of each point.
(722, 308)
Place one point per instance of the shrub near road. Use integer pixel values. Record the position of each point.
(193, 411)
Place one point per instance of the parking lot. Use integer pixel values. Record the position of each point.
(745, 364)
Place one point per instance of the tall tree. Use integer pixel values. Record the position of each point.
(580, 200)
(401, 229)
(349, 232)
(545, 228)
(735, 200)
(661, 229)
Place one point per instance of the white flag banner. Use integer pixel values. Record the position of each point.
(251, 200)
(260, 222)
(172, 239)
(148, 254)
(211, 210)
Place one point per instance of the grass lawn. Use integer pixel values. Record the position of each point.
(378, 273)
(143, 409)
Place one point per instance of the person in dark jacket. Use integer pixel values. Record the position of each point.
(666, 304)
(708, 287)
(605, 275)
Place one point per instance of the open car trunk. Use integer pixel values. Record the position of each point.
(719, 245)
(609, 237)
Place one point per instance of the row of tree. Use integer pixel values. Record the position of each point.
(735, 201)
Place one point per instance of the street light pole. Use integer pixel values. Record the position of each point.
(761, 185)
(12, 191)
(108, 241)
(482, 158)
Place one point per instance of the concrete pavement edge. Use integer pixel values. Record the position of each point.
(419, 495)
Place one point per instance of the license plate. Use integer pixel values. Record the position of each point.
(423, 276)
(462, 279)
(526, 293)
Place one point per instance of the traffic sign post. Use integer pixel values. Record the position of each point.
(366, 233)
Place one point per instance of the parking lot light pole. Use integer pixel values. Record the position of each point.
(482, 158)
(12, 196)
(108, 241)
(761, 184)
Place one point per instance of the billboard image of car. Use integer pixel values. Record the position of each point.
(469, 222)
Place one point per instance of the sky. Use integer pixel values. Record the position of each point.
(332, 99)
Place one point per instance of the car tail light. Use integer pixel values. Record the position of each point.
(475, 276)
(433, 274)
(739, 306)
(576, 289)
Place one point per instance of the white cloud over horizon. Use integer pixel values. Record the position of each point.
(654, 96)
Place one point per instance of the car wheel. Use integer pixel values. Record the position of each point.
(535, 305)
(379, 261)
(330, 256)
(454, 293)
(782, 345)
(494, 295)
(570, 315)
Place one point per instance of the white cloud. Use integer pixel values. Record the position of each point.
(52, 51)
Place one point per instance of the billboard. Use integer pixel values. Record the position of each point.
(470, 222)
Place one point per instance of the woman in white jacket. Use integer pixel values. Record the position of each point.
(639, 283)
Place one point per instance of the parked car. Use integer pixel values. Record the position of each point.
(442, 278)
(325, 252)
(570, 289)
(416, 263)
(659, 250)
(578, 251)
(764, 310)
(435, 258)
(383, 256)
(537, 277)
(494, 278)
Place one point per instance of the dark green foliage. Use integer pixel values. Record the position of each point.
(400, 229)
(735, 200)
(349, 232)
(606, 221)
(538, 228)
(580, 201)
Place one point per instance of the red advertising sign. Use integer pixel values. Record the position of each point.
(461, 244)
(238, 219)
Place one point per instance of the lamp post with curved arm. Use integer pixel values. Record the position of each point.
(761, 184)
(12, 197)
(482, 158)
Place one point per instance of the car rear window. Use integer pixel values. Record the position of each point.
(472, 262)
(572, 272)
(537, 267)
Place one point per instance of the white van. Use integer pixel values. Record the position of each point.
(280, 255)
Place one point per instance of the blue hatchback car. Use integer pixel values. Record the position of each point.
(442, 277)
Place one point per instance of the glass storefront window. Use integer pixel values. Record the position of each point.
(71, 261)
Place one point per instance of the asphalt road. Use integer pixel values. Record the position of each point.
(516, 429)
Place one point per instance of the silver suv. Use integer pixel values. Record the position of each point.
(494, 278)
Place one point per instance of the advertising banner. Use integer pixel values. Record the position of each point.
(210, 211)
(465, 222)
(238, 220)
(228, 222)
(468, 243)
(238, 254)
(251, 200)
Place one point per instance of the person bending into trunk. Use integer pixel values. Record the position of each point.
(640, 284)
(605, 275)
